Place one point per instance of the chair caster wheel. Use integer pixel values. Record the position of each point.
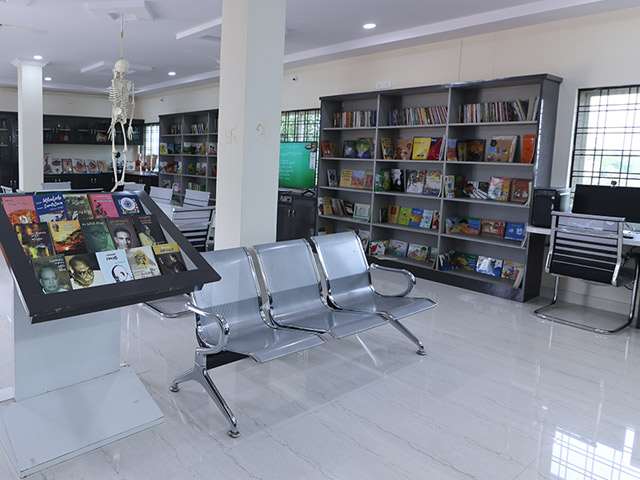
(421, 352)
(233, 434)
(174, 388)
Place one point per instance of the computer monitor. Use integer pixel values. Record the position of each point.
(608, 201)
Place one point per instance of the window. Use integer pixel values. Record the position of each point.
(607, 137)
(300, 126)
(151, 139)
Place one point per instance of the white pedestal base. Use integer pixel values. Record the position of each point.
(44, 430)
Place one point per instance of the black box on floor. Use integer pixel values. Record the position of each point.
(547, 200)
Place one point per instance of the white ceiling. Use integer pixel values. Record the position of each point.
(80, 40)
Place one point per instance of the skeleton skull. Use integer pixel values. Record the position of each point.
(121, 67)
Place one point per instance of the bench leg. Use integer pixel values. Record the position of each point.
(200, 375)
(407, 333)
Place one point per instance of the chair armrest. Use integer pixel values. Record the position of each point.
(222, 324)
(411, 279)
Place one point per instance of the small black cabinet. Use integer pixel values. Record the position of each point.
(296, 217)
(62, 129)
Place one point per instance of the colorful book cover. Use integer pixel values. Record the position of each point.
(20, 209)
(475, 150)
(452, 150)
(122, 233)
(357, 179)
(382, 216)
(50, 207)
(368, 180)
(449, 182)
(56, 166)
(458, 185)
(127, 204)
(114, 266)
(477, 190)
(364, 148)
(461, 150)
(511, 270)
(67, 237)
(169, 258)
(435, 148)
(415, 219)
(349, 149)
(469, 189)
(466, 261)
(415, 181)
(405, 216)
(397, 248)
(470, 226)
(78, 165)
(163, 148)
(444, 259)
(383, 181)
(102, 205)
(92, 166)
(489, 266)
(362, 211)
(142, 262)
(96, 235)
(78, 206)
(397, 180)
(148, 230)
(386, 146)
(433, 254)
(432, 183)
(435, 223)
(365, 237)
(212, 148)
(499, 189)
(514, 231)
(393, 214)
(378, 247)
(528, 148)
(52, 274)
(349, 208)
(452, 225)
(421, 148)
(495, 228)
(403, 149)
(35, 239)
(520, 190)
(84, 270)
(345, 178)
(502, 148)
(427, 218)
(417, 252)
(67, 165)
(332, 177)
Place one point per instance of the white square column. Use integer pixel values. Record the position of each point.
(30, 148)
(251, 69)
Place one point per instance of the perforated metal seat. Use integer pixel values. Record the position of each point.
(229, 317)
(349, 285)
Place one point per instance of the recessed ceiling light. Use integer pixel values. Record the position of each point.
(172, 74)
(37, 57)
(369, 26)
(47, 79)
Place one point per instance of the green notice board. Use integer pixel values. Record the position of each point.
(298, 165)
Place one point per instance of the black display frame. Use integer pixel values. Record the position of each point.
(41, 307)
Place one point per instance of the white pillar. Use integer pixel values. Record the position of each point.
(30, 149)
(251, 69)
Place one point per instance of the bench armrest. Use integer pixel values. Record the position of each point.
(411, 279)
(222, 325)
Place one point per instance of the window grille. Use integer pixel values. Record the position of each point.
(300, 126)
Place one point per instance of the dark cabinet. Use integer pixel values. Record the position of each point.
(9, 149)
(61, 129)
(296, 217)
(148, 179)
(79, 181)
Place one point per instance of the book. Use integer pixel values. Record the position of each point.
(433, 255)
(84, 270)
(404, 216)
(397, 180)
(452, 150)
(35, 239)
(332, 177)
(511, 270)
(78, 206)
(96, 235)
(52, 274)
(528, 148)
(383, 217)
(397, 248)
(493, 227)
(326, 148)
(122, 232)
(393, 214)
(470, 226)
(427, 218)
(364, 147)
(515, 231)
(489, 266)
(106, 167)
(502, 148)
(435, 149)
(452, 225)
(386, 146)
(345, 178)
(520, 190)
(127, 204)
(362, 211)
(169, 258)
(415, 218)
(378, 247)
(327, 208)
(475, 150)
(349, 149)
(67, 237)
(466, 261)
(212, 148)
(365, 237)
(432, 183)
(415, 181)
(368, 180)
(79, 166)
(162, 149)
(458, 185)
(435, 223)
(102, 205)
(499, 189)
(477, 190)
(383, 181)
(50, 207)
(20, 209)
(201, 168)
(56, 166)
(449, 182)
(92, 166)
(403, 149)
(114, 266)
(67, 165)
(142, 262)
(461, 148)
(445, 261)
(357, 179)
(417, 252)
(420, 148)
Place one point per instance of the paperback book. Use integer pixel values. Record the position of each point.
(520, 190)
(383, 181)
(528, 148)
(362, 211)
(393, 214)
(96, 235)
(427, 219)
(511, 270)
(403, 149)
(466, 261)
(435, 149)
(364, 148)
(102, 205)
(67, 165)
(84, 270)
(20, 209)
(67, 237)
(387, 148)
(365, 237)
(35, 239)
(494, 228)
(368, 180)
(127, 204)
(142, 262)
(475, 150)
(397, 248)
(502, 148)
(92, 166)
(514, 231)
(78, 206)
(79, 166)
(52, 274)
(345, 178)
(122, 233)
(489, 266)
(397, 180)
(169, 258)
(452, 152)
(470, 226)
(432, 183)
(357, 179)
(499, 189)
(405, 216)
(415, 218)
(417, 252)
(420, 148)
(56, 166)
(114, 266)
(378, 247)
(415, 181)
(332, 177)
(50, 207)
(349, 149)
(461, 148)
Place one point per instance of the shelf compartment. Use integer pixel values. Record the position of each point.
(460, 272)
(408, 195)
(488, 202)
(341, 218)
(402, 260)
(486, 240)
(406, 228)
(344, 189)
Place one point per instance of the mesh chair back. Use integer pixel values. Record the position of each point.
(588, 247)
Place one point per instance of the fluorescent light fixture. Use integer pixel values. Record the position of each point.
(37, 57)
(47, 79)
(172, 74)
(369, 26)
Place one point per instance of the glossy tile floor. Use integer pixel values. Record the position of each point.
(501, 395)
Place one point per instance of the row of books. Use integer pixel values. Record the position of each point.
(177, 186)
(482, 264)
(188, 148)
(514, 111)
(191, 167)
(418, 116)
(337, 206)
(175, 129)
(486, 227)
(398, 248)
(416, 148)
(423, 182)
(57, 166)
(360, 148)
(502, 148)
(500, 189)
(199, 128)
(411, 217)
(358, 118)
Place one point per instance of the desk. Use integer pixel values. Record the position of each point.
(629, 242)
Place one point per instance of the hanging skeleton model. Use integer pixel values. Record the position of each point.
(119, 92)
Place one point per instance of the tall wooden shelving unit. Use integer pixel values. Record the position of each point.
(177, 129)
(544, 86)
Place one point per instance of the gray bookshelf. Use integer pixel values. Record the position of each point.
(544, 86)
(196, 167)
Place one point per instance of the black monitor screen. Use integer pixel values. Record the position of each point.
(608, 201)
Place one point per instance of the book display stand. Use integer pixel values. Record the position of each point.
(70, 393)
